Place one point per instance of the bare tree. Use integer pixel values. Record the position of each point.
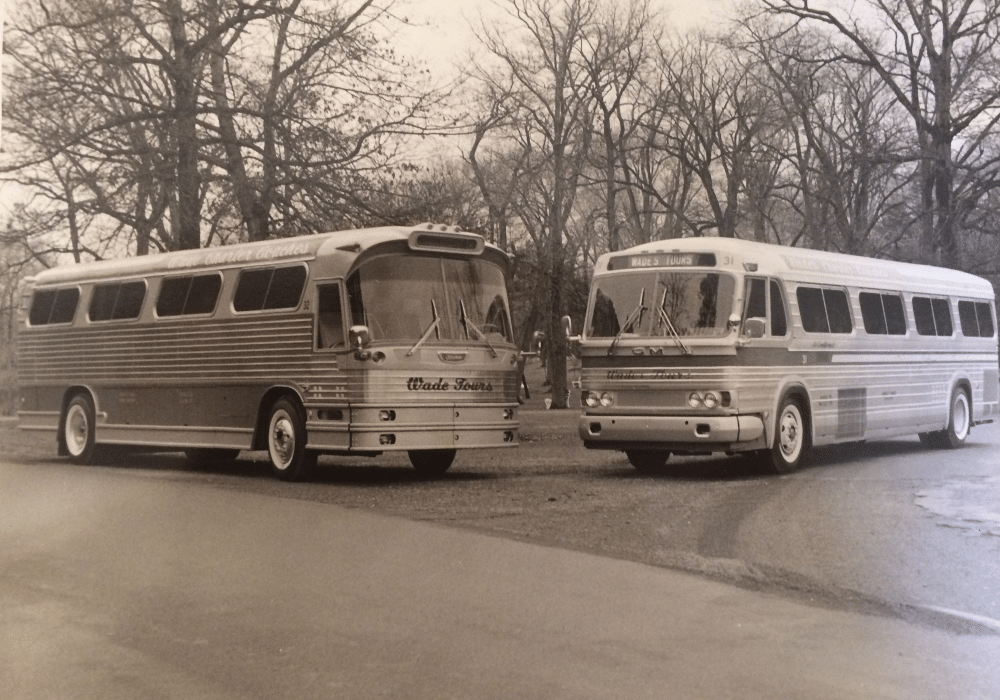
(539, 53)
(939, 59)
(160, 118)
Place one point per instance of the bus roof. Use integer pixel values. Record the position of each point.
(348, 243)
(795, 264)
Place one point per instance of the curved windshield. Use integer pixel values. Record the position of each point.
(421, 298)
(662, 303)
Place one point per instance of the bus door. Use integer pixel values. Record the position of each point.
(326, 388)
(764, 340)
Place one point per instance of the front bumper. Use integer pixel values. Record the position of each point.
(712, 433)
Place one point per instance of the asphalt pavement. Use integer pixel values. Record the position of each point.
(138, 585)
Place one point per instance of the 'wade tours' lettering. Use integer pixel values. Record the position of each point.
(460, 384)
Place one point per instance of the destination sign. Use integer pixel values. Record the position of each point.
(643, 260)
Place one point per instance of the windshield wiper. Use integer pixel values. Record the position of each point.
(631, 321)
(664, 317)
(469, 325)
(435, 325)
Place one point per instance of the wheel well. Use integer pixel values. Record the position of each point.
(68, 396)
(268, 400)
(800, 393)
(966, 387)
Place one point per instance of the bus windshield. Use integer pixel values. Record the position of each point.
(662, 303)
(429, 299)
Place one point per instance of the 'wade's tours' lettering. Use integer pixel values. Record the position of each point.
(460, 384)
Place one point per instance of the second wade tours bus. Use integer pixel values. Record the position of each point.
(701, 345)
(351, 343)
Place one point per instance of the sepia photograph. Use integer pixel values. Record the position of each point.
(499, 349)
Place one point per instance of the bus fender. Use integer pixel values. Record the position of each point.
(961, 380)
(264, 406)
(68, 395)
(791, 386)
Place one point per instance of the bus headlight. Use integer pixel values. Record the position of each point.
(709, 399)
(593, 399)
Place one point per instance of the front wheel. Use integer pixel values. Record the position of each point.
(791, 439)
(286, 441)
(431, 462)
(647, 460)
(78, 429)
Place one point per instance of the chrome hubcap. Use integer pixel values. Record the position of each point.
(282, 440)
(789, 437)
(76, 431)
(961, 416)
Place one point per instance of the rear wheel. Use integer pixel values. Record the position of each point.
(791, 439)
(286, 441)
(959, 420)
(647, 460)
(431, 462)
(78, 429)
(959, 424)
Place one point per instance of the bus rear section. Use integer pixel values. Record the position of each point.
(350, 343)
(697, 346)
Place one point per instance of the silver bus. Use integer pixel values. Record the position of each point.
(702, 345)
(349, 343)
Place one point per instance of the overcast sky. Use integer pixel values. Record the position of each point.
(443, 35)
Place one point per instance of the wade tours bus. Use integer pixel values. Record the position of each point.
(349, 343)
(703, 345)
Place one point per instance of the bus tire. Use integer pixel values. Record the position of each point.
(959, 420)
(431, 462)
(286, 441)
(648, 460)
(203, 456)
(791, 439)
(78, 429)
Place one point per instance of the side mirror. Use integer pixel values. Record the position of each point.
(360, 337)
(754, 328)
(572, 341)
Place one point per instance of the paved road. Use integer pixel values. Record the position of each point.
(134, 583)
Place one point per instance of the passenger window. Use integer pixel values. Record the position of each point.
(932, 316)
(181, 296)
(779, 326)
(53, 306)
(838, 310)
(270, 288)
(329, 317)
(872, 313)
(882, 313)
(812, 310)
(119, 301)
(975, 319)
(824, 310)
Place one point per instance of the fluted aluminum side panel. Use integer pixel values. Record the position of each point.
(174, 352)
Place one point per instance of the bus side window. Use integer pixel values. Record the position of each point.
(329, 317)
(756, 301)
(975, 319)
(932, 316)
(779, 326)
